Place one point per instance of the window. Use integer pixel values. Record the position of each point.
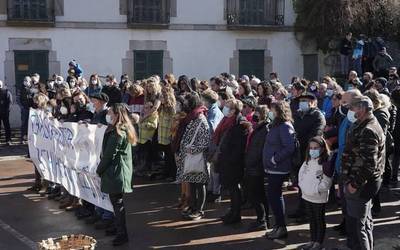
(31, 10)
(147, 63)
(149, 12)
(251, 62)
(255, 12)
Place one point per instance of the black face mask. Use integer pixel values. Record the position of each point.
(343, 109)
(256, 118)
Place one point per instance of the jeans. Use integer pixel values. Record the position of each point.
(316, 214)
(275, 198)
(104, 214)
(344, 64)
(359, 223)
(4, 118)
(357, 65)
(117, 202)
(197, 196)
(24, 121)
(257, 197)
(214, 185)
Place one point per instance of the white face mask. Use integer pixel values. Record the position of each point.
(226, 111)
(94, 82)
(27, 84)
(35, 80)
(109, 119)
(351, 115)
(91, 107)
(83, 88)
(1, 85)
(50, 109)
(34, 91)
(329, 92)
(63, 110)
(51, 85)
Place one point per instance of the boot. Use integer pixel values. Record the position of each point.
(277, 233)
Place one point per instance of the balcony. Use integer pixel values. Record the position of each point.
(149, 13)
(255, 13)
(30, 12)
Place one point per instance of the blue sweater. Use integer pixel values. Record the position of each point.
(344, 127)
(327, 107)
(280, 145)
(214, 117)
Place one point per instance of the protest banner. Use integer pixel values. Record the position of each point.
(68, 154)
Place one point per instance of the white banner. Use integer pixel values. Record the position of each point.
(68, 154)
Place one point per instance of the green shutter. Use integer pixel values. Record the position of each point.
(148, 63)
(251, 62)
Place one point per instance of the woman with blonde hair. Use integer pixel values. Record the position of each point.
(166, 114)
(152, 92)
(115, 167)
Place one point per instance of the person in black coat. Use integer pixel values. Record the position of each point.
(230, 138)
(79, 109)
(309, 122)
(254, 169)
(112, 91)
(333, 123)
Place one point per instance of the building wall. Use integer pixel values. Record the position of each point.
(201, 51)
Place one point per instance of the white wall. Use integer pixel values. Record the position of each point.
(199, 12)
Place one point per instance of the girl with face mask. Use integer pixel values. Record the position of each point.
(315, 180)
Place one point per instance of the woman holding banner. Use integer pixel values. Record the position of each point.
(115, 167)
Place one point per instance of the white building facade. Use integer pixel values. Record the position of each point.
(140, 37)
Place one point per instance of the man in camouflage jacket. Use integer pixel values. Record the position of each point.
(363, 163)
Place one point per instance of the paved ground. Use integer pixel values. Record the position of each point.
(153, 223)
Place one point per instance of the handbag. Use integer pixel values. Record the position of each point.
(194, 163)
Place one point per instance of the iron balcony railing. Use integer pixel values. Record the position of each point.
(255, 12)
(30, 11)
(149, 12)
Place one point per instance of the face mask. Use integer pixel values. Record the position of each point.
(329, 92)
(109, 119)
(271, 115)
(27, 84)
(94, 82)
(63, 110)
(72, 83)
(273, 81)
(313, 88)
(226, 111)
(34, 91)
(83, 88)
(304, 106)
(1, 85)
(35, 80)
(256, 118)
(350, 87)
(50, 109)
(314, 153)
(51, 85)
(90, 107)
(351, 115)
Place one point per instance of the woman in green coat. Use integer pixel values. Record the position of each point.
(115, 167)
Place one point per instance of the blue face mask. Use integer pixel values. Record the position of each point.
(329, 92)
(271, 115)
(314, 153)
(351, 116)
(226, 111)
(304, 106)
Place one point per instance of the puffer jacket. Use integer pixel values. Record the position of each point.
(315, 180)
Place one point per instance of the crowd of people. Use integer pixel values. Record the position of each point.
(247, 137)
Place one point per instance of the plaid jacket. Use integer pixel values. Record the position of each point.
(147, 128)
(164, 128)
(363, 158)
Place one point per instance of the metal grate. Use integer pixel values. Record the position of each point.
(149, 12)
(255, 12)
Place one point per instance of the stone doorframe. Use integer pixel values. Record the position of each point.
(9, 66)
(251, 44)
(128, 61)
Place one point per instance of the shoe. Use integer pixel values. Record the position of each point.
(232, 220)
(306, 246)
(277, 233)
(186, 211)
(120, 240)
(65, 205)
(73, 207)
(34, 188)
(257, 226)
(92, 219)
(103, 224)
(196, 216)
(112, 231)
